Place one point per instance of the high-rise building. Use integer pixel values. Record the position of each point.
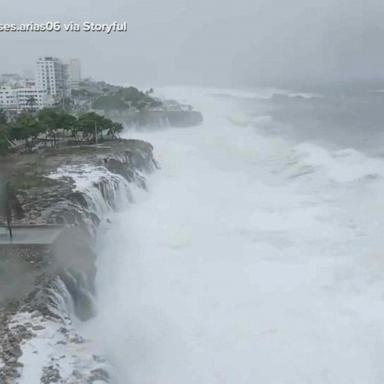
(74, 73)
(51, 77)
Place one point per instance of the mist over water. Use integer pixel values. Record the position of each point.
(253, 258)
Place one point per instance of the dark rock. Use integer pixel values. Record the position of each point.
(98, 375)
(50, 375)
(68, 276)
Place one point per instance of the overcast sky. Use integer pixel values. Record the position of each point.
(205, 41)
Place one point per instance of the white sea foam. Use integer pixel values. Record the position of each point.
(252, 260)
(88, 178)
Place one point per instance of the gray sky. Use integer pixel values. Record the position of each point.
(206, 41)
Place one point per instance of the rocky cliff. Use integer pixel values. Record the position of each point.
(45, 288)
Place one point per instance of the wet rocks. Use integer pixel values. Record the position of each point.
(63, 285)
(47, 200)
(50, 375)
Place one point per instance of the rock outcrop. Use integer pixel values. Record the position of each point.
(75, 187)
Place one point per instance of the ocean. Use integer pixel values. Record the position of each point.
(257, 253)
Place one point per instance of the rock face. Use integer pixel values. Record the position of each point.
(75, 187)
(55, 200)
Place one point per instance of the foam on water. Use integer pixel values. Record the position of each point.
(102, 189)
(253, 259)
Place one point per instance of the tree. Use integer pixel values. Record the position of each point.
(4, 141)
(110, 103)
(24, 128)
(92, 124)
(68, 123)
(31, 103)
(50, 122)
(115, 129)
(65, 104)
(3, 117)
(9, 205)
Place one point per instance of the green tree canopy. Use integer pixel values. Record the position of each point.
(24, 128)
(4, 141)
(92, 124)
(110, 103)
(3, 117)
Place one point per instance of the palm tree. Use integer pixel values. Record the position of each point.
(9, 205)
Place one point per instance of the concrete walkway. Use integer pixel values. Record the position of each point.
(31, 235)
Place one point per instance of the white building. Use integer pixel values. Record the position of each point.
(51, 77)
(19, 99)
(74, 73)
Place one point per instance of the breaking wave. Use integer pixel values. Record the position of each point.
(253, 259)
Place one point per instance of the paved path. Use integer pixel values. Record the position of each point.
(34, 235)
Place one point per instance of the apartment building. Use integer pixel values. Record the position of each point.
(53, 81)
(51, 76)
(25, 98)
(74, 73)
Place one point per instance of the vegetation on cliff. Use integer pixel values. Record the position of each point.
(126, 99)
(53, 125)
(99, 95)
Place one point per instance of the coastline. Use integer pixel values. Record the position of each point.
(61, 283)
